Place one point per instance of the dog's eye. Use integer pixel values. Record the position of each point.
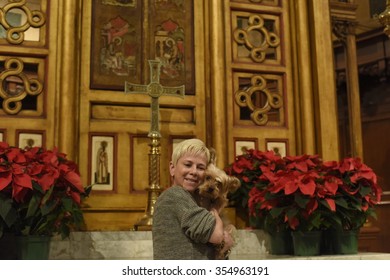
(208, 177)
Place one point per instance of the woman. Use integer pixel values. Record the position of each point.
(182, 229)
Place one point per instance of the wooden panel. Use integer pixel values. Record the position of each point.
(106, 110)
(140, 113)
(259, 76)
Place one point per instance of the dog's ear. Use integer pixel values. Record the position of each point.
(213, 156)
(234, 183)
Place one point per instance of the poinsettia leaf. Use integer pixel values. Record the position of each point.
(341, 202)
(33, 205)
(48, 207)
(308, 188)
(47, 195)
(364, 190)
(276, 211)
(87, 190)
(302, 200)
(67, 203)
(5, 179)
(74, 178)
(7, 212)
(330, 203)
(316, 221)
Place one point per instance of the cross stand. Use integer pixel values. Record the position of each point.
(154, 89)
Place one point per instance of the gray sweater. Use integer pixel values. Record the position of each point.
(181, 229)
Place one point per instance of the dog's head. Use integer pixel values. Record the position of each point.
(217, 183)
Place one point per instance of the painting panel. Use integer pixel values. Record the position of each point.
(3, 135)
(279, 146)
(243, 144)
(29, 139)
(102, 155)
(116, 47)
(171, 40)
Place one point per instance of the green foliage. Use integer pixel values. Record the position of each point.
(40, 192)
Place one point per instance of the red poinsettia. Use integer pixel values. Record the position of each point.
(303, 192)
(40, 192)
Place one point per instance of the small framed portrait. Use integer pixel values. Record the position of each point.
(279, 146)
(243, 144)
(29, 139)
(2, 135)
(102, 158)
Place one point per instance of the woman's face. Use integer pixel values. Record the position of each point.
(189, 171)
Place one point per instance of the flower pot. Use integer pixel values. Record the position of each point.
(8, 247)
(345, 242)
(281, 243)
(327, 242)
(33, 247)
(306, 243)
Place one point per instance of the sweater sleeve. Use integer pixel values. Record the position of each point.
(197, 223)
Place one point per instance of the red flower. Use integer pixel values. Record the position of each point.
(43, 188)
(301, 192)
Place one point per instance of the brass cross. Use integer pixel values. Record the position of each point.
(154, 89)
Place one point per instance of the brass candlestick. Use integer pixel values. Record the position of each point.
(154, 89)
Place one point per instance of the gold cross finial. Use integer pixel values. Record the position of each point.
(154, 89)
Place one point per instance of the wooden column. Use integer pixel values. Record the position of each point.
(304, 105)
(68, 81)
(324, 81)
(344, 22)
(217, 81)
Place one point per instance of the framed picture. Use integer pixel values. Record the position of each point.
(243, 144)
(102, 162)
(29, 139)
(116, 47)
(279, 146)
(2, 135)
(122, 44)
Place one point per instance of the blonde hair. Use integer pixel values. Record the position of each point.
(192, 146)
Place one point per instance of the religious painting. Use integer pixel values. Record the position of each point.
(102, 156)
(121, 43)
(278, 146)
(116, 48)
(241, 145)
(2, 135)
(27, 139)
(171, 40)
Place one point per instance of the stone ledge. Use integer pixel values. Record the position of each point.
(137, 245)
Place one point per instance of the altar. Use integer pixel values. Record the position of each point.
(137, 245)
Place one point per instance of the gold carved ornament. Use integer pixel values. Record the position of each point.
(12, 101)
(259, 86)
(384, 19)
(15, 34)
(258, 48)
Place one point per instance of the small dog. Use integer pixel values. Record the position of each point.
(212, 193)
(215, 188)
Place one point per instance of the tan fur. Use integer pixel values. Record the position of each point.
(214, 190)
